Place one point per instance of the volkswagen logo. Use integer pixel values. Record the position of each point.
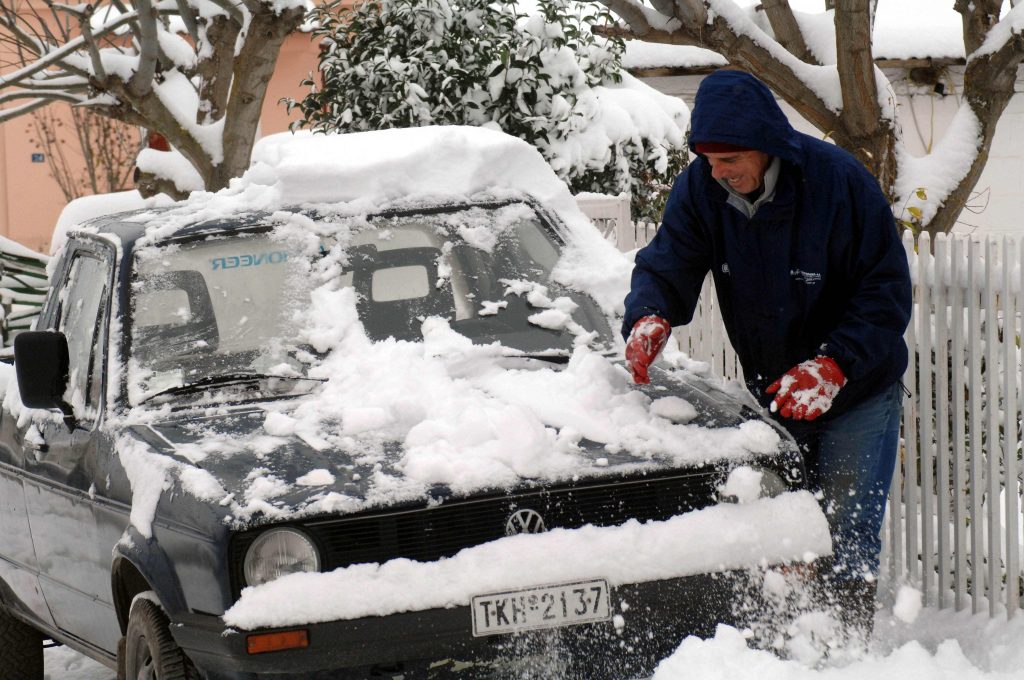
(525, 521)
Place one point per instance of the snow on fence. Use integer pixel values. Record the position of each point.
(954, 524)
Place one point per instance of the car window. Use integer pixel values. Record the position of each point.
(239, 303)
(80, 317)
(480, 268)
(219, 306)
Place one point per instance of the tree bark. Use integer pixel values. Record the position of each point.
(215, 72)
(864, 129)
(787, 31)
(253, 68)
(988, 87)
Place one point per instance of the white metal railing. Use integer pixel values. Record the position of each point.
(954, 524)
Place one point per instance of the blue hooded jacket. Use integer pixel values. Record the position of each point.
(817, 270)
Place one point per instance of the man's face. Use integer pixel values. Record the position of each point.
(743, 170)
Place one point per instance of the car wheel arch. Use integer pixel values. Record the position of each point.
(140, 565)
(126, 582)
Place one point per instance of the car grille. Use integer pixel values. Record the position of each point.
(427, 534)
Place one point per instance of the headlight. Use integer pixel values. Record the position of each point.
(277, 553)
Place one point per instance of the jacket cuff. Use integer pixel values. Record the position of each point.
(635, 315)
(836, 354)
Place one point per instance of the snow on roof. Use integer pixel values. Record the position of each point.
(403, 163)
(904, 29)
(371, 171)
(85, 208)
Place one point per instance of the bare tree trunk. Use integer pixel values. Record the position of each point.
(864, 130)
(253, 68)
(787, 31)
(988, 89)
(988, 86)
(215, 72)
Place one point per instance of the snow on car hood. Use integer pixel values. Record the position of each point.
(396, 420)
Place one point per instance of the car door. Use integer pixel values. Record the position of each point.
(19, 581)
(19, 569)
(66, 469)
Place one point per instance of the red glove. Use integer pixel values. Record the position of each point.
(648, 337)
(806, 391)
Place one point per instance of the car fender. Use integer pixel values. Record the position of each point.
(140, 564)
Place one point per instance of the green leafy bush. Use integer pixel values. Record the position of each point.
(545, 78)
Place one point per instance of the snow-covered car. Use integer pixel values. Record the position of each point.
(364, 413)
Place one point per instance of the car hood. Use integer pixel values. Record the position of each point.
(259, 462)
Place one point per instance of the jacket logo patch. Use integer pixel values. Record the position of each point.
(810, 278)
(725, 268)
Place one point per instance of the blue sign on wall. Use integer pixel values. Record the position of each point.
(38, 157)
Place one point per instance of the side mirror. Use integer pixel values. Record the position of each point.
(41, 362)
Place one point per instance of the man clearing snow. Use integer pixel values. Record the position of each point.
(815, 293)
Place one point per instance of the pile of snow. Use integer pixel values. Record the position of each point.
(727, 657)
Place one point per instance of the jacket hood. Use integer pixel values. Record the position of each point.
(737, 108)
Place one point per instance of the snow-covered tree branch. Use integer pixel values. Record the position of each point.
(845, 95)
(195, 71)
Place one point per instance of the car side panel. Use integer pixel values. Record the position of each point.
(18, 570)
(74, 562)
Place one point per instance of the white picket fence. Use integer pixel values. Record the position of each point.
(954, 523)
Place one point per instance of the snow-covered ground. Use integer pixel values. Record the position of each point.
(934, 645)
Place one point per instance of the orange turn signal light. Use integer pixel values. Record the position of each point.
(262, 643)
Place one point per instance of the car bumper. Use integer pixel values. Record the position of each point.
(651, 620)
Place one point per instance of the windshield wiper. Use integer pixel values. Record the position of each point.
(225, 380)
(550, 358)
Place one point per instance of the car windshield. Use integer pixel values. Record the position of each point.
(220, 310)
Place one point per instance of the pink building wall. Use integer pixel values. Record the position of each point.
(30, 201)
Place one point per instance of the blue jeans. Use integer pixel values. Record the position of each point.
(851, 459)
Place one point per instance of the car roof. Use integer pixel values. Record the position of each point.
(358, 173)
(130, 227)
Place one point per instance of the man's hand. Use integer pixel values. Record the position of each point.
(648, 337)
(806, 391)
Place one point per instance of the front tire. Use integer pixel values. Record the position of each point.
(21, 649)
(150, 651)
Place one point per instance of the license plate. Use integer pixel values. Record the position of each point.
(561, 604)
